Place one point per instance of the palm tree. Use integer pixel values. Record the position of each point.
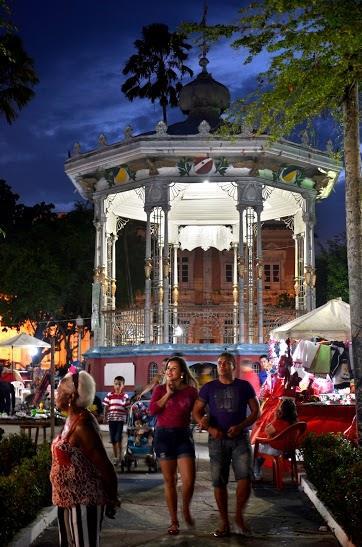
(17, 76)
(157, 66)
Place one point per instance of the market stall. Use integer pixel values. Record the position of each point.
(311, 355)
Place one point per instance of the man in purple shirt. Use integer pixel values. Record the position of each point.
(227, 423)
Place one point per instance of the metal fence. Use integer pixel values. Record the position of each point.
(194, 325)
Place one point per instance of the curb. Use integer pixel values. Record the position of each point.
(26, 536)
(337, 530)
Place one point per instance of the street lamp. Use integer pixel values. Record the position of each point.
(79, 322)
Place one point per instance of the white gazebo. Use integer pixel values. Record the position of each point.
(194, 188)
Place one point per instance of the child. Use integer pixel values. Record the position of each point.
(142, 433)
(286, 415)
(116, 405)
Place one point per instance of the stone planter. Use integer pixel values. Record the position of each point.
(27, 535)
(338, 531)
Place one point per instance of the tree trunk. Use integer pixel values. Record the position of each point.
(164, 110)
(354, 235)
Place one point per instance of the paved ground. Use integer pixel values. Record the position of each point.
(276, 518)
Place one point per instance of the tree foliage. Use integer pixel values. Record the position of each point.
(46, 263)
(316, 64)
(17, 74)
(332, 271)
(157, 67)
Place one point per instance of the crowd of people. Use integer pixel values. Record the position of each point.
(84, 479)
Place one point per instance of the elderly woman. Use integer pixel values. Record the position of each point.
(83, 479)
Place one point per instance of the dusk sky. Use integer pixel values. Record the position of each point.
(79, 48)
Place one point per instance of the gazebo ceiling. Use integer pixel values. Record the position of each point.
(205, 203)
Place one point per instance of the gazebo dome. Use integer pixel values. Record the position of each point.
(202, 99)
(204, 93)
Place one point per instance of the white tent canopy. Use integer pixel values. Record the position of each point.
(24, 340)
(331, 321)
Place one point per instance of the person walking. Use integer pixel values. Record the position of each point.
(227, 423)
(172, 404)
(84, 482)
(116, 406)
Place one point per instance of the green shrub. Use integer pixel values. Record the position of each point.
(334, 466)
(24, 492)
(13, 449)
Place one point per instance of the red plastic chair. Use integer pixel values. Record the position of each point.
(288, 441)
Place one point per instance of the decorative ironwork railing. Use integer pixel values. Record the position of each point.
(194, 325)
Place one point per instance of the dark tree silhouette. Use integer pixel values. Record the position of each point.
(17, 74)
(157, 67)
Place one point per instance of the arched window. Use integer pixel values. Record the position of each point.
(152, 371)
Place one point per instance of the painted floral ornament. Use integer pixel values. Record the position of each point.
(221, 165)
(184, 167)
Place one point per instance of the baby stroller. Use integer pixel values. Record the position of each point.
(140, 433)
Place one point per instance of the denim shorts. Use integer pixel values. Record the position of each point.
(172, 443)
(224, 452)
(115, 431)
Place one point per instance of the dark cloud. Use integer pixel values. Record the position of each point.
(79, 48)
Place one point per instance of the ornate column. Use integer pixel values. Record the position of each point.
(113, 273)
(148, 271)
(157, 200)
(299, 273)
(309, 256)
(250, 272)
(98, 286)
(175, 293)
(250, 199)
(235, 293)
(109, 290)
(166, 283)
(160, 284)
(259, 278)
(241, 274)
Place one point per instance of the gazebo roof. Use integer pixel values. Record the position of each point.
(201, 167)
(136, 161)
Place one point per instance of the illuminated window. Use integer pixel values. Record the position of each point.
(271, 274)
(184, 269)
(152, 371)
(275, 273)
(228, 273)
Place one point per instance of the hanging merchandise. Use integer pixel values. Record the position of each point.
(305, 353)
(342, 378)
(339, 353)
(322, 360)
